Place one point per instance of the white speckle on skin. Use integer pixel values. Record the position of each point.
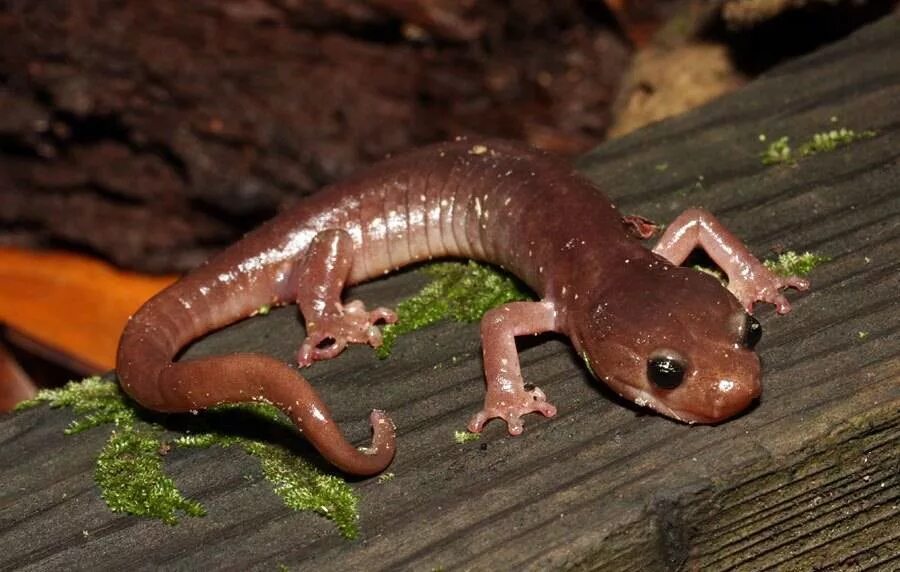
(297, 241)
(725, 385)
(507, 201)
(478, 150)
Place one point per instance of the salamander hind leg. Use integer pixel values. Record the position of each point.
(507, 396)
(330, 323)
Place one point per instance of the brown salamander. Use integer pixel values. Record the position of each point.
(666, 337)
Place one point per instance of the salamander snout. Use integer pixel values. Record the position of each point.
(708, 386)
(724, 398)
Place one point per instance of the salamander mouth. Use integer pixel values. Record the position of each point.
(690, 417)
(643, 399)
(718, 413)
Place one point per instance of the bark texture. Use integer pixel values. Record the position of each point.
(152, 133)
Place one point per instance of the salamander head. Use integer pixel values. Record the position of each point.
(674, 340)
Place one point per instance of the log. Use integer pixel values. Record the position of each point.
(154, 133)
(806, 480)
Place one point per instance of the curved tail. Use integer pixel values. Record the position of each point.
(148, 374)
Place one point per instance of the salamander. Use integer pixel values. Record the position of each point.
(663, 336)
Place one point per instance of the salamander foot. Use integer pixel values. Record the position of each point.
(511, 407)
(329, 333)
(765, 286)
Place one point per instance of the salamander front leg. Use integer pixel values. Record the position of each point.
(748, 279)
(330, 324)
(507, 397)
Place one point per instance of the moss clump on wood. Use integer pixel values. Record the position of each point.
(132, 480)
(831, 140)
(779, 151)
(299, 484)
(96, 400)
(792, 264)
(459, 291)
(130, 471)
(302, 487)
(462, 437)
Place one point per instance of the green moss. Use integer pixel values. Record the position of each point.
(792, 264)
(780, 150)
(263, 310)
(302, 487)
(130, 475)
(831, 140)
(130, 471)
(262, 411)
(205, 440)
(459, 291)
(98, 401)
(299, 484)
(462, 437)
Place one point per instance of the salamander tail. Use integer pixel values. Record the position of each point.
(148, 374)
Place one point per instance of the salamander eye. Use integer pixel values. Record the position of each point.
(665, 372)
(752, 332)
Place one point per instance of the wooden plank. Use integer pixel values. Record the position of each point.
(808, 479)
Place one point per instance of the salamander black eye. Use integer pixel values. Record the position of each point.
(665, 372)
(752, 332)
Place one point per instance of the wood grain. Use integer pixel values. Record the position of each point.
(806, 480)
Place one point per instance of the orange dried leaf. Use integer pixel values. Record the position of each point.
(74, 304)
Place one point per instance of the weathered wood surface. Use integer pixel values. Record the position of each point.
(806, 480)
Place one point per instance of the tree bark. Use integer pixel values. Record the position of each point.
(151, 133)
